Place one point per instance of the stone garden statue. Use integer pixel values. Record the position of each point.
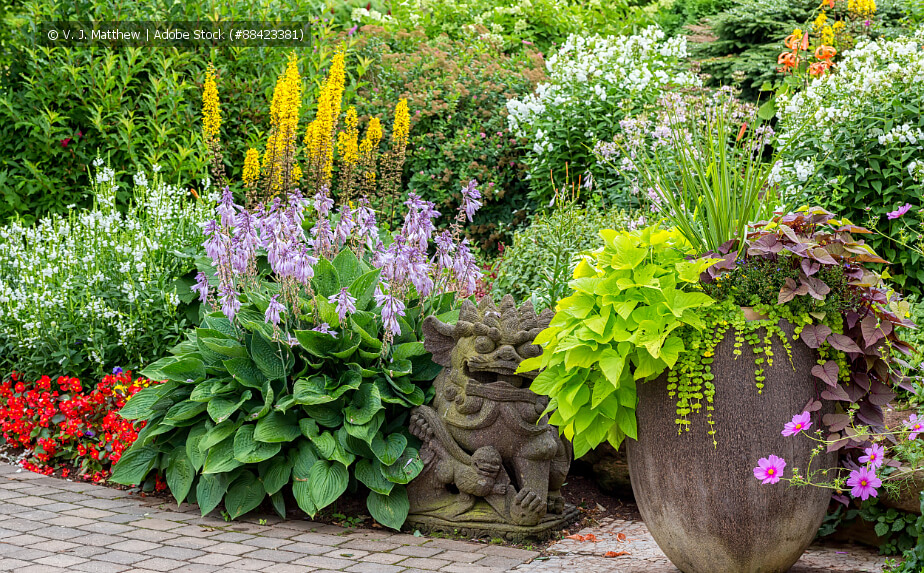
(493, 466)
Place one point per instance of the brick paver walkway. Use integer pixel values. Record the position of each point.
(642, 554)
(49, 525)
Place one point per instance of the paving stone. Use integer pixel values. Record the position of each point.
(12, 564)
(24, 553)
(41, 569)
(247, 564)
(158, 524)
(374, 568)
(106, 527)
(469, 568)
(55, 546)
(214, 559)
(233, 536)
(121, 557)
(319, 539)
(86, 551)
(150, 535)
(60, 560)
(100, 567)
(503, 563)
(511, 552)
(160, 564)
(57, 532)
(23, 525)
(231, 548)
(371, 545)
(356, 554)
(418, 551)
(320, 561)
(195, 531)
(172, 552)
(190, 542)
(88, 512)
(98, 539)
(134, 545)
(275, 555)
(24, 539)
(308, 548)
(69, 521)
(57, 506)
(461, 556)
(384, 558)
(285, 568)
(428, 563)
(453, 544)
(266, 542)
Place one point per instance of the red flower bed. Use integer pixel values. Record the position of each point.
(61, 426)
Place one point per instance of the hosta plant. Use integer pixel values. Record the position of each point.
(303, 380)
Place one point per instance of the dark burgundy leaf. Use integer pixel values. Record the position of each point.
(812, 406)
(841, 498)
(828, 372)
(725, 247)
(902, 347)
(822, 256)
(834, 446)
(835, 393)
(814, 335)
(852, 318)
(855, 392)
(816, 287)
(810, 267)
(861, 379)
(836, 422)
(869, 326)
(880, 394)
(843, 343)
(789, 291)
(870, 414)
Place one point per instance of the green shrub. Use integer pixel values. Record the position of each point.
(541, 260)
(854, 142)
(457, 93)
(95, 289)
(59, 106)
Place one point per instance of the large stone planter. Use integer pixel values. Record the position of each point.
(701, 502)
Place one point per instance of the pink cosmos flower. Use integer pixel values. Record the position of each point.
(863, 483)
(900, 211)
(769, 469)
(916, 426)
(874, 456)
(799, 423)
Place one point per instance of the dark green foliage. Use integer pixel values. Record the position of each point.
(457, 93)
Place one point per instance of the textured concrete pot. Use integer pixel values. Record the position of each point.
(701, 502)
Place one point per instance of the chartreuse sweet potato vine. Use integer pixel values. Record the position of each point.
(632, 301)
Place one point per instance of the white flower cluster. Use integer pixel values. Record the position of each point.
(98, 273)
(589, 70)
(819, 123)
(365, 16)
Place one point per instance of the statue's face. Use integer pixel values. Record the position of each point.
(492, 353)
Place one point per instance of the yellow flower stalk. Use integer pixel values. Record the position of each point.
(319, 139)
(211, 110)
(863, 8)
(402, 127)
(251, 167)
(348, 140)
(819, 22)
(279, 156)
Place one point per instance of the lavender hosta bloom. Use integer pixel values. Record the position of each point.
(420, 275)
(874, 456)
(365, 222)
(444, 249)
(323, 203)
(201, 287)
(323, 236)
(273, 310)
(799, 423)
(346, 303)
(418, 222)
(470, 199)
(770, 469)
(465, 269)
(345, 226)
(863, 483)
(227, 210)
(392, 308)
(215, 243)
(303, 268)
(324, 328)
(230, 304)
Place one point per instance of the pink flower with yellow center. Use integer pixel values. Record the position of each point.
(799, 423)
(770, 469)
(915, 425)
(863, 483)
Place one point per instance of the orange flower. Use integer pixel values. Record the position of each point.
(819, 68)
(805, 41)
(744, 128)
(788, 59)
(792, 41)
(825, 52)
